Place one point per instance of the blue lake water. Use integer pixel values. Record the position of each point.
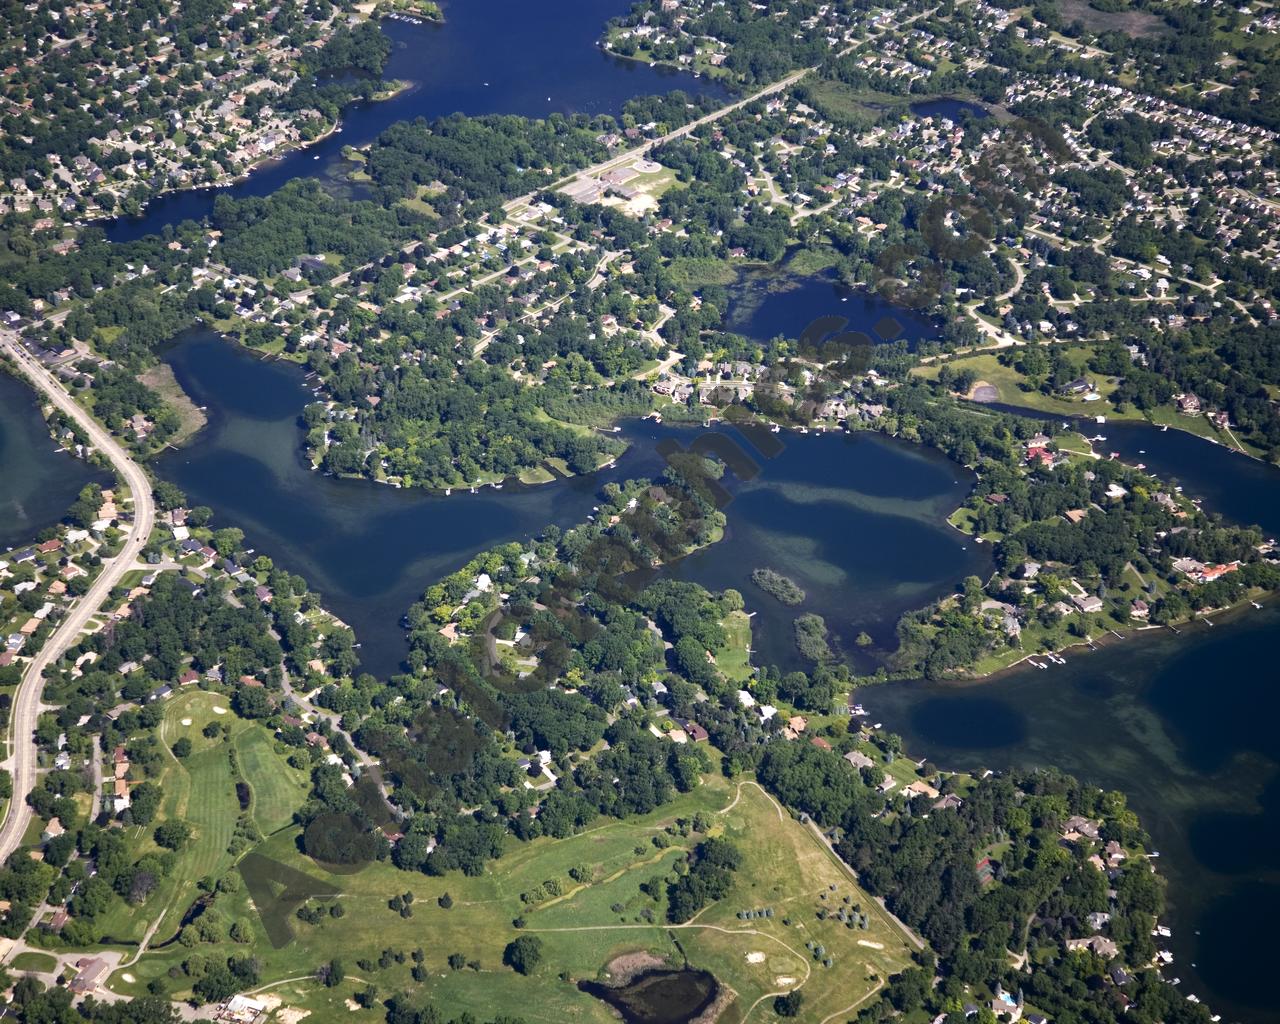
(1184, 726)
(489, 57)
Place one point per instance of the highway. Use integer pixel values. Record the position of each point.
(27, 701)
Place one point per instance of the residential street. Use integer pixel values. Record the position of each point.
(27, 701)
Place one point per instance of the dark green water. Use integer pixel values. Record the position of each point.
(1185, 726)
(37, 483)
(658, 996)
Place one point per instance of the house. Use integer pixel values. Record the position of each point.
(950, 802)
(1188, 404)
(52, 830)
(91, 971)
(820, 743)
(1087, 603)
(1006, 1005)
(858, 759)
(1036, 454)
(1103, 947)
(1139, 609)
(1075, 387)
(1076, 826)
(241, 1009)
(695, 732)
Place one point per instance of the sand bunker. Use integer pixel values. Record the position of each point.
(219, 711)
(783, 980)
(128, 978)
(870, 945)
(755, 957)
(186, 721)
(291, 1015)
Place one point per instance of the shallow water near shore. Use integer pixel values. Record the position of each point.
(1184, 726)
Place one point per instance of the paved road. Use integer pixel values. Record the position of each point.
(27, 705)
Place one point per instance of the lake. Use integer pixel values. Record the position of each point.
(1185, 727)
(856, 520)
(489, 57)
(37, 482)
(1182, 724)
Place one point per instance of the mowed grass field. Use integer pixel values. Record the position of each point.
(200, 790)
(787, 867)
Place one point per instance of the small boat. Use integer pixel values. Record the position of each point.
(1256, 605)
(1164, 428)
(315, 157)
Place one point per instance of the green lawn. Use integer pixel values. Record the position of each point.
(30, 961)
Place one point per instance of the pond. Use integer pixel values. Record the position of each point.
(489, 57)
(660, 996)
(37, 482)
(767, 302)
(951, 108)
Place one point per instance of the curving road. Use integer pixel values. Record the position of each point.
(26, 705)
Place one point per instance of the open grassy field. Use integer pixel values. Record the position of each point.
(787, 867)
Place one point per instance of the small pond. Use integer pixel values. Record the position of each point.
(660, 996)
(952, 109)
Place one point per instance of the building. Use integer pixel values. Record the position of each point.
(858, 759)
(90, 973)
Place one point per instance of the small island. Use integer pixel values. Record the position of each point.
(777, 586)
(811, 637)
